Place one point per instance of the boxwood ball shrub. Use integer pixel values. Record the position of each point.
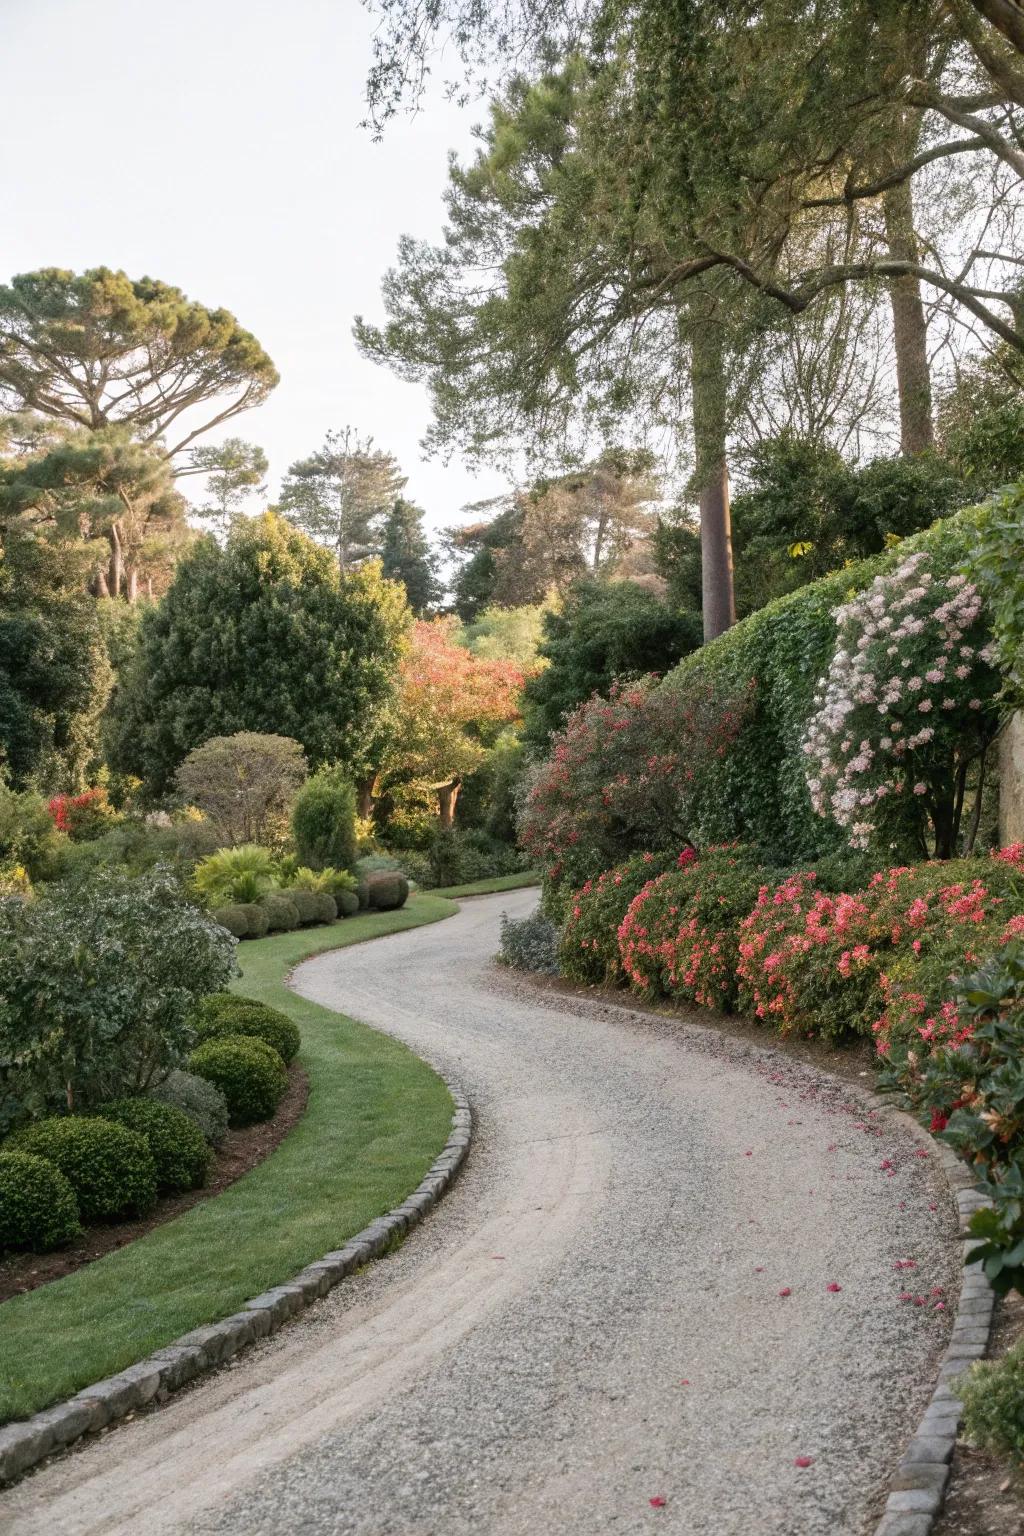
(179, 1148)
(224, 1013)
(387, 890)
(38, 1208)
(235, 919)
(258, 923)
(327, 906)
(249, 1073)
(348, 903)
(282, 913)
(307, 904)
(204, 1103)
(109, 1167)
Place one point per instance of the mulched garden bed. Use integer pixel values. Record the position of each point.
(243, 1149)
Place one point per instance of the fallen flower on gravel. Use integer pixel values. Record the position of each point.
(832, 1286)
(803, 1461)
(906, 1295)
(657, 1502)
(785, 1291)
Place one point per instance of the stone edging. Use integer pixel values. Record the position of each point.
(24, 1444)
(919, 1486)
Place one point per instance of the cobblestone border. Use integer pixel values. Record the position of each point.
(24, 1444)
(919, 1486)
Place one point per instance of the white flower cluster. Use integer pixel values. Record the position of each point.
(903, 673)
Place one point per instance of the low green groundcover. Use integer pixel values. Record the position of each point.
(377, 1118)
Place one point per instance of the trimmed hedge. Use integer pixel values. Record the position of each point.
(38, 1208)
(387, 890)
(235, 919)
(348, 903)
(227, 1013)
(257, 919)
(109, 1167)
(201, 1101)
(307, 904)
(282, 913)
(179, 1148)
(249, 1073)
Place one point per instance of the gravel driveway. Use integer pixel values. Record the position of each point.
(666, 1275)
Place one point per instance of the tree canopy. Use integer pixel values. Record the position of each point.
(99, 349)
(341, 493)
(261, 635)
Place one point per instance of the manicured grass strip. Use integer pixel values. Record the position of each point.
(485, 887)
(377, 1118)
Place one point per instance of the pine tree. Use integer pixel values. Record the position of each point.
(407, 557)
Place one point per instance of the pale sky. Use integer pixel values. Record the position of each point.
(215, 144)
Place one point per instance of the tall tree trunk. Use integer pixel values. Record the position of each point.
(364, 796)
(133, 586)
(447, 794)
(909, 325)
(115, 576)
(711, 477)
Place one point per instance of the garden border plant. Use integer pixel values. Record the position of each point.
(347, 1180)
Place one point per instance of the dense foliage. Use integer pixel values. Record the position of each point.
(323, 821)
(225, 1013)
(261, 635)
(109, 1167)
(603, 631)
(38, 1208)
(249, 1073)
(628, 774)
(178, 1147)
(244, 784)
(589, 947)
(97, 984)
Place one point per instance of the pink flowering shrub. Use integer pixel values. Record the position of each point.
(623, 777)
(906, 709)
(878, 961)
(678, 939)
(589, 948)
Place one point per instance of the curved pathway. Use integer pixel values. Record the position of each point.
(594, 1319)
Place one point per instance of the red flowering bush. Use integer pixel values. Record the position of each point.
(880, 960)
(625, 775)
(589, 948)
(678, 939)
(85, 816)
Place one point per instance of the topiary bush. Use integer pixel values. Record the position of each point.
(327, 907)
(224, 1013)
(324, 821)
(348, 903)
(109, 1167)
(307, 904)
(249, 1073)
(282, 913)
(387, 890)
(257, 919)
(363, 893)
(202, 1101)
(235, 919)
(179, 1148)
(38, 1208)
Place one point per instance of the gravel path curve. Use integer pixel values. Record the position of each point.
(625, 1300)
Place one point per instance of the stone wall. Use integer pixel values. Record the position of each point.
(1011, 782)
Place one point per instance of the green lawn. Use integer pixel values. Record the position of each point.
(377, 1118)
(485, 887)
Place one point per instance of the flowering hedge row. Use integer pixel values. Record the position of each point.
(885, 961)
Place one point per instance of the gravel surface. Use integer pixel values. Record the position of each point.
(593, 1321)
